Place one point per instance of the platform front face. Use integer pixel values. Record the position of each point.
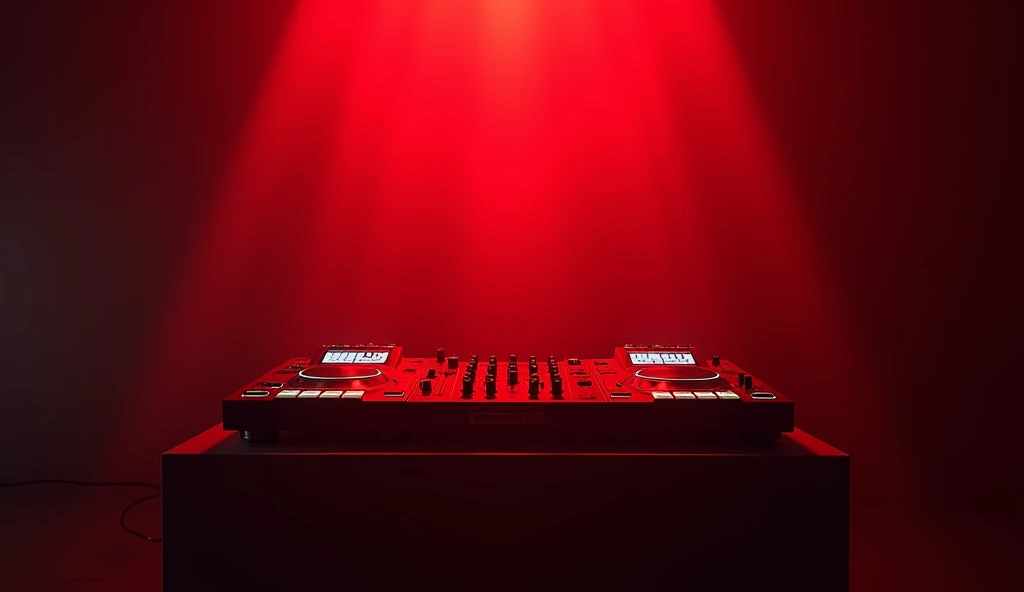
(505, 521)
(641, 392)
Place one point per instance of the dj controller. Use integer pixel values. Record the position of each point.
(643, 393)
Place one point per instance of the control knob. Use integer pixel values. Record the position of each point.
(556, 387)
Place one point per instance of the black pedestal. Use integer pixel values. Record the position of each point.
(290, 517)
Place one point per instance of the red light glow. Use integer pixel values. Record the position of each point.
(506, 175)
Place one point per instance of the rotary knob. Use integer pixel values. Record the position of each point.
(715, 361)
(440, 355)
(556, 387)
(491, 387)
(425, 387)
(512, 359)
(553, 370)
(453, 362)
(513, 375)
(492, 360)
(467, 386)
(534, 388)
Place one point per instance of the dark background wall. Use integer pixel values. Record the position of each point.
(892, 121)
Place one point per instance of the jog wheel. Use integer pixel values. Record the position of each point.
(340, 376)
(667, 378)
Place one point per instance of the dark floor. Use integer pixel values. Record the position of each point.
(69, 539)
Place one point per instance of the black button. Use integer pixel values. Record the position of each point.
(425, 387)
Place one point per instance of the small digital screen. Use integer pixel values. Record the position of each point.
(664, 358)
(339, 356)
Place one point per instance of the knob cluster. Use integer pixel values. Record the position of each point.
(490, 378)
(512, 375)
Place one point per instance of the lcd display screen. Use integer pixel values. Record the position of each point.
(662, 358)
(341, 356)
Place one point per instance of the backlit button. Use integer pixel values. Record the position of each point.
(309, 394)
(394, 393)
(761, 395)
(683, 395)
(330, 395)
(727, 395)
(353, 394)
(661, 395)
(287, 394)
(705, 396)
(255, 393)
(620, 395)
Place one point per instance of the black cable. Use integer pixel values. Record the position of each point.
(124, 512)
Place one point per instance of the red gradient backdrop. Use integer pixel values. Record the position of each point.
(504, 177)
(237, 186)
